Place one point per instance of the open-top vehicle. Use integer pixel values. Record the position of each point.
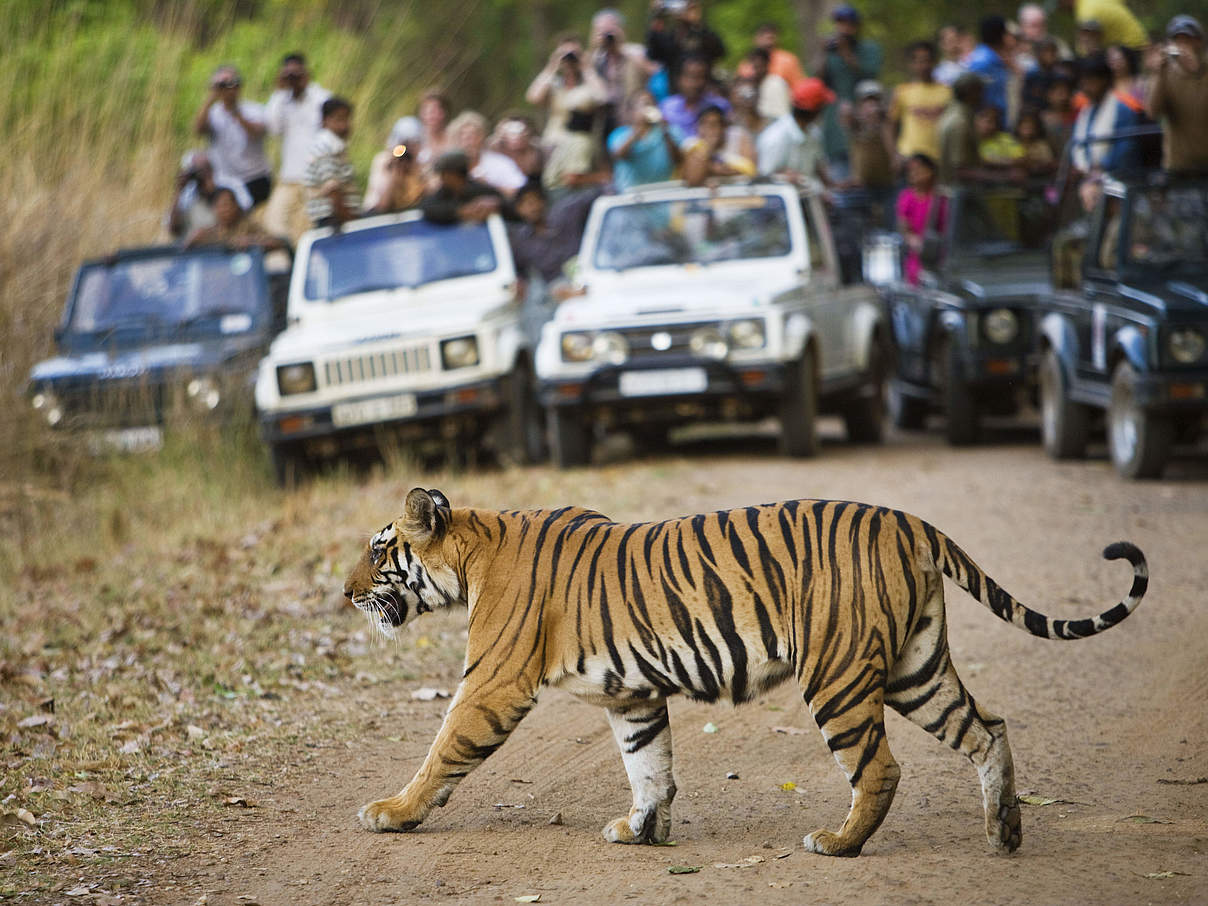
(964, 337)
(710, 304)
(1128, 336)
(403, 329)
(152, 333)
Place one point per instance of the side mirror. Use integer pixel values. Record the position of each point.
(59, 334)
(882, 259)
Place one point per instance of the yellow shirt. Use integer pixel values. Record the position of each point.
(1119, 25)
(917, 106)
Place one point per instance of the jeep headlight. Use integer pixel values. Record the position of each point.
(709, 343)
(47, 403)
(297, 378)
(203, 394)
(459, 352)
(576, 347)
(1186, 345)
(610, 347)
(747, 334)
(1001, 326)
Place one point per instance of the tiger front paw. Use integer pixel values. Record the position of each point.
(386, 815)
(1005, 831)
(826, 843)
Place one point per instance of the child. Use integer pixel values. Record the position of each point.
(330, 180)
(915, 211)
(705, 154)
(1037, 155)
(916, 106)
(1059, 113)
(997, 148)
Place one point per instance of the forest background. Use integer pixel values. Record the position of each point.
(99, 95)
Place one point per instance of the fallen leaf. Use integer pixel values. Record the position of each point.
(784, 855)
(25, 816)
(194, 733)
(1162, 875)
(80, 891)
(1196, 782)
(666, 843)
(36, 720)
(684, 869)
(556, 820)
(1030, 799)
(709, 727)
(1145, 819)
(790, 731)
(518, 780)
(788, 786)
(732, 775)
(240, 802)
(528, 898)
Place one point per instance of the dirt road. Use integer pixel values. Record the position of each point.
(1111, 731)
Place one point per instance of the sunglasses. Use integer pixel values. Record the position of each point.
(228, 83)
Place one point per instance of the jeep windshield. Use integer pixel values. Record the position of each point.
(1168, 230)
(996, 222)
(171, 290)
(395, 256)
(694, 231)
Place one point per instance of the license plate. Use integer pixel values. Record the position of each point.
(366, 412)
(666, 381)
(131, 440)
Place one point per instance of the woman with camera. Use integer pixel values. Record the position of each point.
(647, 149)
(570, 93)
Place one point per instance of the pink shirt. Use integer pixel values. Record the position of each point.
(913, 209)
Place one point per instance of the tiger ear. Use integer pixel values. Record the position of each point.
(439, 498)
(419, 516)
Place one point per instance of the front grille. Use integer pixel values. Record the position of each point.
(377, 366)
(115, 403)
(638, 339)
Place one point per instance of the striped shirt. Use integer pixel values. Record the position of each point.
(329, 161)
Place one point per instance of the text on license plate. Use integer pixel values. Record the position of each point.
(656, 383)
(366, 412)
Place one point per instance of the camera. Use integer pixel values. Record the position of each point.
(652, 116)
(570, 57)
(672, 7)
(610, 41)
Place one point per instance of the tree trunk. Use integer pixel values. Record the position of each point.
(810, 15)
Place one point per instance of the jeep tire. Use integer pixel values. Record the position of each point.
(962, 420)
(799, 408)
(864, 416)
(1139, 440)
(569, 437)
(520, 433)
(1063, 423)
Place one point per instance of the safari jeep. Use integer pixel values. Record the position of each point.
(710, 304)
(1124, 339)
(399, 329)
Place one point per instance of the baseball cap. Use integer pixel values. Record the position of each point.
(846, 13)
(1184, 25)
(868, 88)
(811, 94)
(406, 131)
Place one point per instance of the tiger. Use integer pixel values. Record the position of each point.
(847, 598)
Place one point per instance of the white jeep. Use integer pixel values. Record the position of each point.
(399, 328)
(711, 304)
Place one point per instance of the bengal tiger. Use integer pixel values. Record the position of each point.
(845, 597)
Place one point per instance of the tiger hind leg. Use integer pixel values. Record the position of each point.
(924, 687)
(643, 733)
(854, 729)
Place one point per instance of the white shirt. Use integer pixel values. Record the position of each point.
(774, 100)
(500, 171)
(297, 121)
(782, 145)
(234, 153)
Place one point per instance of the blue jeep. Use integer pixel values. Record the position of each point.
(155, 333)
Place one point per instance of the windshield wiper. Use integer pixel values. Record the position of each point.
(212, 314)
(370, 288)
(147, 320)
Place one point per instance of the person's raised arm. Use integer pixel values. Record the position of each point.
(201, 122)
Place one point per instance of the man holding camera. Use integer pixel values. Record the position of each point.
(293, 113)
(236, 131)
(677, 33)
(1179, 98)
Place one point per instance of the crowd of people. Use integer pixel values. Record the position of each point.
(1007, 101)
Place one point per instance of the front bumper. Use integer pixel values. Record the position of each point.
(676, 389)
(1182, 393)
(450, 411)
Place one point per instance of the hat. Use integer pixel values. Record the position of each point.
(238, 191)
(868, 88)
(846, 13)
(1184, 25)
(1090, 25)
(453, 161)
(811, 94)
(406, 131)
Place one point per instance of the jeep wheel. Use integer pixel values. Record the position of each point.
(962, 420)
(520, 435)
(1063, 423)
(799, 409)
(1139, 440)
(864, 417)
(289, 464)
(905, 411)
(569, 437)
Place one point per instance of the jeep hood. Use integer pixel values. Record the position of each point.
(147, 361)
(1175, 297)
(704, 295)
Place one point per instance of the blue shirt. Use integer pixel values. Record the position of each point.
(648, 159)
(678, 114)
(986, 62)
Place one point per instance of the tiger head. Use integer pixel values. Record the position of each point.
(403, 571)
